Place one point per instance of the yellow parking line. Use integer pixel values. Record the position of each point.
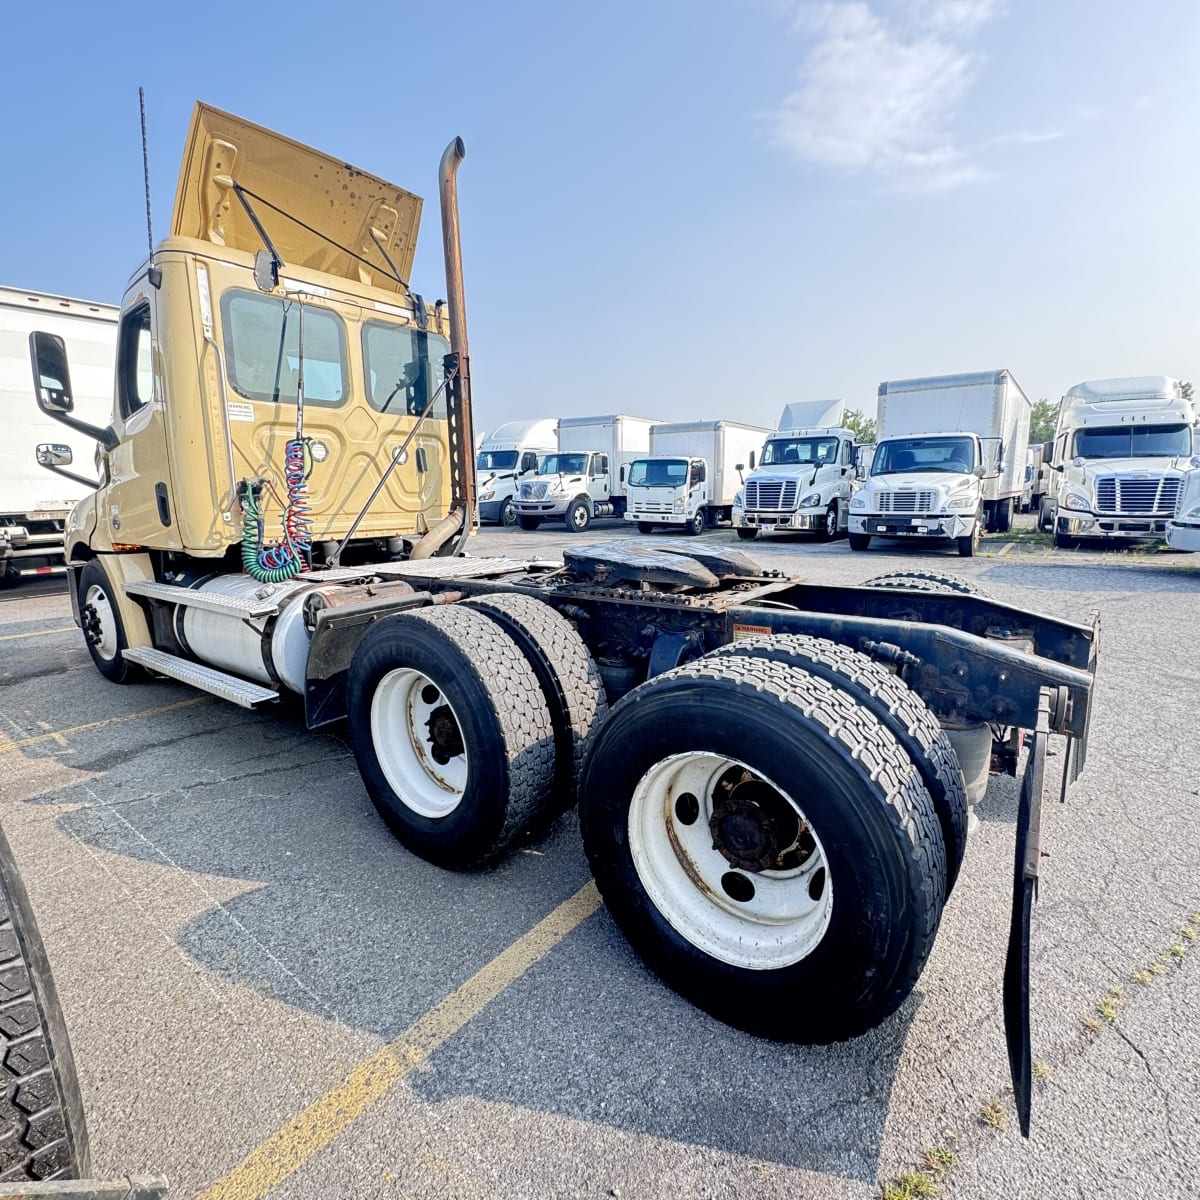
(56, 734)
(12, 637)
(310, 1131)
(1006, 548)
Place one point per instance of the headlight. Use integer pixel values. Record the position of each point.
(739, 501)
(962, 502)
(858, 501)
(488, 496)
(678, 504)
(1075, 501)
(811, 500)
(1194, 515)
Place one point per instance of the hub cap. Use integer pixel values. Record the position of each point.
(419, 743)
(730, 861)
(99, 623)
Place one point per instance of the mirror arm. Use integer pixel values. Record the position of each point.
(94, 484)
(106, 436)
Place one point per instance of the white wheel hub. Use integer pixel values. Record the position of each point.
(730, 861)
(419, 743)
(105, 624)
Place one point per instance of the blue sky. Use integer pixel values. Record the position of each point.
(681, 208)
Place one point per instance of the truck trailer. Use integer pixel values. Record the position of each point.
(34, 505)
(692, 476)
(772, 775)
(949, 462)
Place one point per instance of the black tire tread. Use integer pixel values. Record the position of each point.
(568, 676)
(924, 581)
(897, 707)
(856, 735)
(43, 1136)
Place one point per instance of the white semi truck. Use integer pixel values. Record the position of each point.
(511, 452)
(1183, 529)
(1121, 447)
(803, 479)
(950, 460)
(692, 476)
(33, 504)
(585, 477)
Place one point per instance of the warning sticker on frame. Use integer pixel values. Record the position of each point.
(745, 631)
(237, 411)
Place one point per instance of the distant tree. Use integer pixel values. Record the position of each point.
(1041, 425)
(862, 426)
(1186, 388)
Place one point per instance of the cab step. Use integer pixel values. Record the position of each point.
(236, 606)
(197, 675)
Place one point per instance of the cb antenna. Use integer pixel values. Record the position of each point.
(155, 273)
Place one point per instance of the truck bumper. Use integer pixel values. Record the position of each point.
(938, 525)
(1183, 537)
(770, 521)
(542, 509)
(657, 518)
(1101, 528)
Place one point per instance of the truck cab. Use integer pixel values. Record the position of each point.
(668, 491)
(507, 455)
(1121, 448)
(923, 487)
(803, 478)
(1183, 529)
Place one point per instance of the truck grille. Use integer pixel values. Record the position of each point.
(907, 502)
(770, 495)
(1153, 496)
(533, 491)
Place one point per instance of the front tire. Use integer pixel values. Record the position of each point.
(968, 546)
(529, 524)
(103, 628)
(696, 524)
(1064, 541)
(645, 528)
(508, 514)
(42, 1125)
(578, 516)
(451, 732)
(10, 574)
(829, 524)
(747, 533)
(811, 917)
(859, 541)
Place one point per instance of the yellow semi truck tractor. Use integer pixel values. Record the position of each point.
(773, 776)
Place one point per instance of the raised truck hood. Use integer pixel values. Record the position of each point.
(358, 211)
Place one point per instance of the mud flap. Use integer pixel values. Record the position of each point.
(1025, 876)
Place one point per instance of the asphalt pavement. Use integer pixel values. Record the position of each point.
(268, 995)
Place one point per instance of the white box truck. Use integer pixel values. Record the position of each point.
(803, 480)
(692, 475)
(509, 453)
(585, 477)
(949, 461)
(33, 502)
(1121, 448)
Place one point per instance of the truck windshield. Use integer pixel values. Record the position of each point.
(1146, 441)
(565, 464)
(658, 472)
(952, 454)
(783, 451)
(405, 368)
(496, 460)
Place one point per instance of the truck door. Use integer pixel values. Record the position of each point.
(137, 505)
(598, 484)
(697, 487)
(846, 463)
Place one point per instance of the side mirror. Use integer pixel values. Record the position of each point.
(54, 454)
(52, 386)
(740, 467)
(860, 471)
(1077, 461)
(622, 472)
(51, 374)
(980, 472)
(266, 271)
(751, 460)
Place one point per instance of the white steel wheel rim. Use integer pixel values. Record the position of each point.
(579, 516)
(685, 876)
(106, 622)
(402, 708)
(831, 520)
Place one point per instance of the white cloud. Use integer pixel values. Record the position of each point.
(872, 96)
(1030, 137)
